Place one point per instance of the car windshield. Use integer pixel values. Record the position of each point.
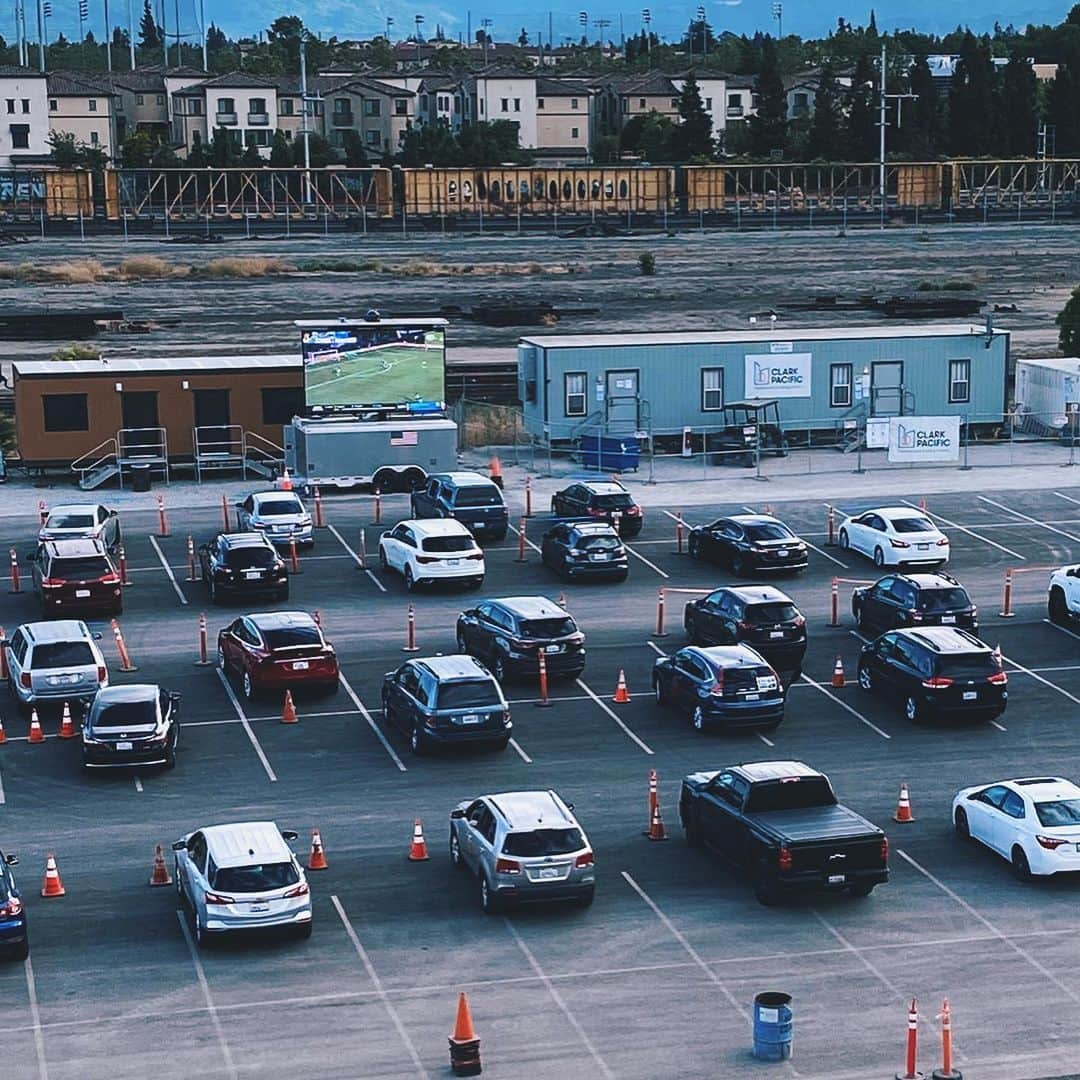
(555, 626)
(599, 543)
(124, 715)
(278, 507)
(249, 879)
(760, 614)
(620, 501)
(912, 525)
(769, 531)
(448, 543)
(540, 842)
(286, 637)
(93, 566)
(62, 654)
(478, 496)
(967, 665)
(244, 558)
(942, 599)
(467, 695)
(797, 793)
(1063, 812)
(70, 521)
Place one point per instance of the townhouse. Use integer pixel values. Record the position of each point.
(242, 105)
(24, 112)
(87, 106)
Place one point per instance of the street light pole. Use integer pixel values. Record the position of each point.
(419, 22)
(704, 35)
(881, 140)
(646, 18)
(778, 15)
(305, 113)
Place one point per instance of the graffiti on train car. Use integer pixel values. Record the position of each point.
(21, 189)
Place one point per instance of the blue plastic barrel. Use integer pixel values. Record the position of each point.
(772, 1026)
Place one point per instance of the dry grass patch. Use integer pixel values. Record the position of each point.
(250, 266)
(150, 267)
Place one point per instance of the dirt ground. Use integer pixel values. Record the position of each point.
(702, 281)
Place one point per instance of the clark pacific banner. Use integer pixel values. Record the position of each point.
(779, 375)
(924, 438)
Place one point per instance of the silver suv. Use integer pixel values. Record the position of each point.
(55, 661)
(524, 847)
(241, 876)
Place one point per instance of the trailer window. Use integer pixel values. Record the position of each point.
(712, 389)
(576, 393)
(959, 381)
(281, 403)
(65, 412)
(840, 386)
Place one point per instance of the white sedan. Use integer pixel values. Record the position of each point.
(427, 550)
(895, 536)
(1033, 822)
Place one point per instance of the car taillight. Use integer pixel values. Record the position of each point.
(584, 859)
(515, 643)
(943, 542)
(884, 849)
(999, 678)
(217, 899)
(12, 907)
(110, 578)
(506, 716)
(899, 543)
(1051, 843)
(938, 682)
(101, 673)
(717, 690)
(425, 559)
(784, 858)
(633, 511)
(800, 620)
(477, 557)
(24, 680)
(744, 626)
(507, 866)
(298, 890)
(914, 616)
(52, 582)
(595, 511)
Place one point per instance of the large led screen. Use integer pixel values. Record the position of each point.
(374, 365)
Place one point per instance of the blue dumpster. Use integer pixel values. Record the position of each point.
(607, 453)
(772, 1026)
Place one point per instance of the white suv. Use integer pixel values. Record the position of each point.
(432, 549)
(55, 661)
(1063, 596)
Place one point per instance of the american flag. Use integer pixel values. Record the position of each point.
(403, 438)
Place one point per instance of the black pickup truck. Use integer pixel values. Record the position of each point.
(780, 822)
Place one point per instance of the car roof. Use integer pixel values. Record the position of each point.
(465, 478)
(527, 809)
(436, 526)
(75, 547)
(726, 656)
(454, 667)
(753, 519)
(931, 580)
(896, 512)
(1044, 788)
(602, 487)
(758, 594)
(280, 620)
(58, 630)
(245, 539)
(245, 843)
(946, 639)
(597, 528)
(131, 692)
(74, 508)
(529, 607)
(773, 770)
(274, 493)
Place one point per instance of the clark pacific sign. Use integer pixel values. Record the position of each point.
(783, 375)
(924, 438)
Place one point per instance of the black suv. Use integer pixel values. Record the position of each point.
(747, 543)
(75, 575)
(242, 564)
(757, 615)
(509, 633)
(601, 499)
(935, 671)
(468, 497)
(446, 701)
(931, 599)
(585, 549)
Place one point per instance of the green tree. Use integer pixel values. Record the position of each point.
(1016, 109)
(432, 144)
(1063, 111)
(355, 151)
(197, 157)
(1068, 322)
(64, 151)
(825, 130)
(862, 113)
(693, 137)
(137, 151)
(320, 152)
(768, 129)
(921, 131)
(650, 135)
(971, 100)
(280, 151)
(149, 31)
(223, 149)
(251, 156)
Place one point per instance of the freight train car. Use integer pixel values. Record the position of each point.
(55, 194)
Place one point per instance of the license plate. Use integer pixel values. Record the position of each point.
(552, 648)
(63, 680)
(82, 594)
(776, 634)
(971, 695)
(453, 562)
(124, 745)
(948, 619)
(548, 872)
(766, 682)
(599, 556)
(300, 665)
(256, 908)
(253, 575)
(836, 879)
(470, 718)
(924, 547)
(782, 553)
(753, 697)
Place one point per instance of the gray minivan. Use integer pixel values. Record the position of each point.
(55, 661)
(468, 497)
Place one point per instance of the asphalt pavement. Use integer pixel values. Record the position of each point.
(657, 979)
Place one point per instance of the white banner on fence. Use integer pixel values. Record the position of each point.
(780, 376)
(924, 438)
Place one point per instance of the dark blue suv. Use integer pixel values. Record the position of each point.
(14, 938)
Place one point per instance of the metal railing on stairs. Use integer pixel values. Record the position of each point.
(262, 456)
(143, 447)
(97, 465)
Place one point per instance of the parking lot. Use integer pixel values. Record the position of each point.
(657, 979)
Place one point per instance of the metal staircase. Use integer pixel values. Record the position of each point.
(97, 466)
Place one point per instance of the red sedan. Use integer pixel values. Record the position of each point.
(278, 650)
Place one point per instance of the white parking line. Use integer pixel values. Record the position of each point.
(1067, 498)
(603, 705)
(650, 565)
(1063, 629)
(244, 722)
(373, 975)
(656, 648)
(35, 1017)
(521, 753)
(858, 954)
(844, 705)
(1023, 953)
(1030, 520)
(168, 570)
(965, 529)
(813, 547)
(1039, 678)
(767, 742)
(357, 559)
(138, 785)
(211, 1009)
(371, 723)
(559, 1000)
(527, 540)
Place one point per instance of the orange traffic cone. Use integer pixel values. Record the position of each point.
(922, 504)
(998, 656)
(3, 734)
(288, 713)
(464, 1043)
(903, 807)
(36, 734)
(656, 825)
(317, 858)
(622, 694)
(418, 851)
(160, 876)
(285, 483)
(67, 728)
(52, 885)
(838, 673)
(496, 471)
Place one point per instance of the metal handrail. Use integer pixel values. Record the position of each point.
(106, 457)
(270, 450)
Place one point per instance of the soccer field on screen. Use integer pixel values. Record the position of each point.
(385, 374)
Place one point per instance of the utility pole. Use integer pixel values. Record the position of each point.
(601, 25)
(41, 37)
(131, 34)
(881, 139)
(304, 112)
(419, 19)
(108, 37)
(176, 19)
(84, 14)
(646, 18)
(778, 15)
(389, 23)
(202, 31)
(704, 35)
(484, 24)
